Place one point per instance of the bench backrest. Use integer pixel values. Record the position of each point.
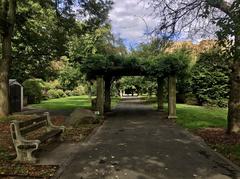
(32, 125)
(25, 127)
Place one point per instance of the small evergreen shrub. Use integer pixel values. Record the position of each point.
(33, 90)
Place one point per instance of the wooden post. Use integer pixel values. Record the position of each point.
(172, 97)
(160, 91)
(107, 103)
(100, 95)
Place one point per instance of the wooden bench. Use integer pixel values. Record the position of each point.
(25, 147)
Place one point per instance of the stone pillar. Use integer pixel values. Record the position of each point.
(172, 97)
(100, 95)
(107, 103)
(160, 83)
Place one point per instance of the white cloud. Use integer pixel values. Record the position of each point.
(130, 20)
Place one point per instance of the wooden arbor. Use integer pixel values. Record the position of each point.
(105, 68)
(104, 94)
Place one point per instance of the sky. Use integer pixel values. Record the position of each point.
(131, 21)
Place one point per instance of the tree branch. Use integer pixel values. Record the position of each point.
(222, 5)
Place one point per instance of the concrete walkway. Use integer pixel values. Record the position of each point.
(137, 142)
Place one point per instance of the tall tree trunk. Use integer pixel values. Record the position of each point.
(7, 15)
(4, 68)
(234, 100)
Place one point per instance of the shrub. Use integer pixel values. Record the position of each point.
(33, 90)
(80, 90)
(55, 93)
(52, 85)
(210, 79)
(69, 93)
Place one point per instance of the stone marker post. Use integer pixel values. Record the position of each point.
(107, 103)
(172, 97)
(160, 83)
(100, 95)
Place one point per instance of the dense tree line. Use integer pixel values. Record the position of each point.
(37, 35)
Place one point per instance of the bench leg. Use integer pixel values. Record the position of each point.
(25, 155)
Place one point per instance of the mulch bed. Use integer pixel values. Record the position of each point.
(11, 169)
(226, 144)
(216, 136)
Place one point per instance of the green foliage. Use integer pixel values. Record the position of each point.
(70, 77)
(210, 79)
(152, 49)
(33, 90)
(35, 26)
(141, 85)
(78, 91)
(166, 64)
(69, 93)
(55, 93)
(52, 85)
(46, 31)
(161, 66)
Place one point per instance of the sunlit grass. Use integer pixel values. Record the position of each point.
(195, 117)
(69, 103)
(72, 102)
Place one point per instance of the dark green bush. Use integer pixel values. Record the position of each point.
(33, 90)
(210, 79)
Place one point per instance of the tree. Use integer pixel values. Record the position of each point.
(94, 14)
(7, 22)
(36, 25)
(152, 49)
(177, 16)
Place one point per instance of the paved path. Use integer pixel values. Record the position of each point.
(138, 143)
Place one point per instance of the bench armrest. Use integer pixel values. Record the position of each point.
(51, 124)
(30, 142)
(18, 139)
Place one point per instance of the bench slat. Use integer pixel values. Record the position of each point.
(33, 127)
(49, 135)
(30, 122)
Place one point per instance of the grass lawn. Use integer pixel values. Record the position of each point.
(69, 103)
(196, 117)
